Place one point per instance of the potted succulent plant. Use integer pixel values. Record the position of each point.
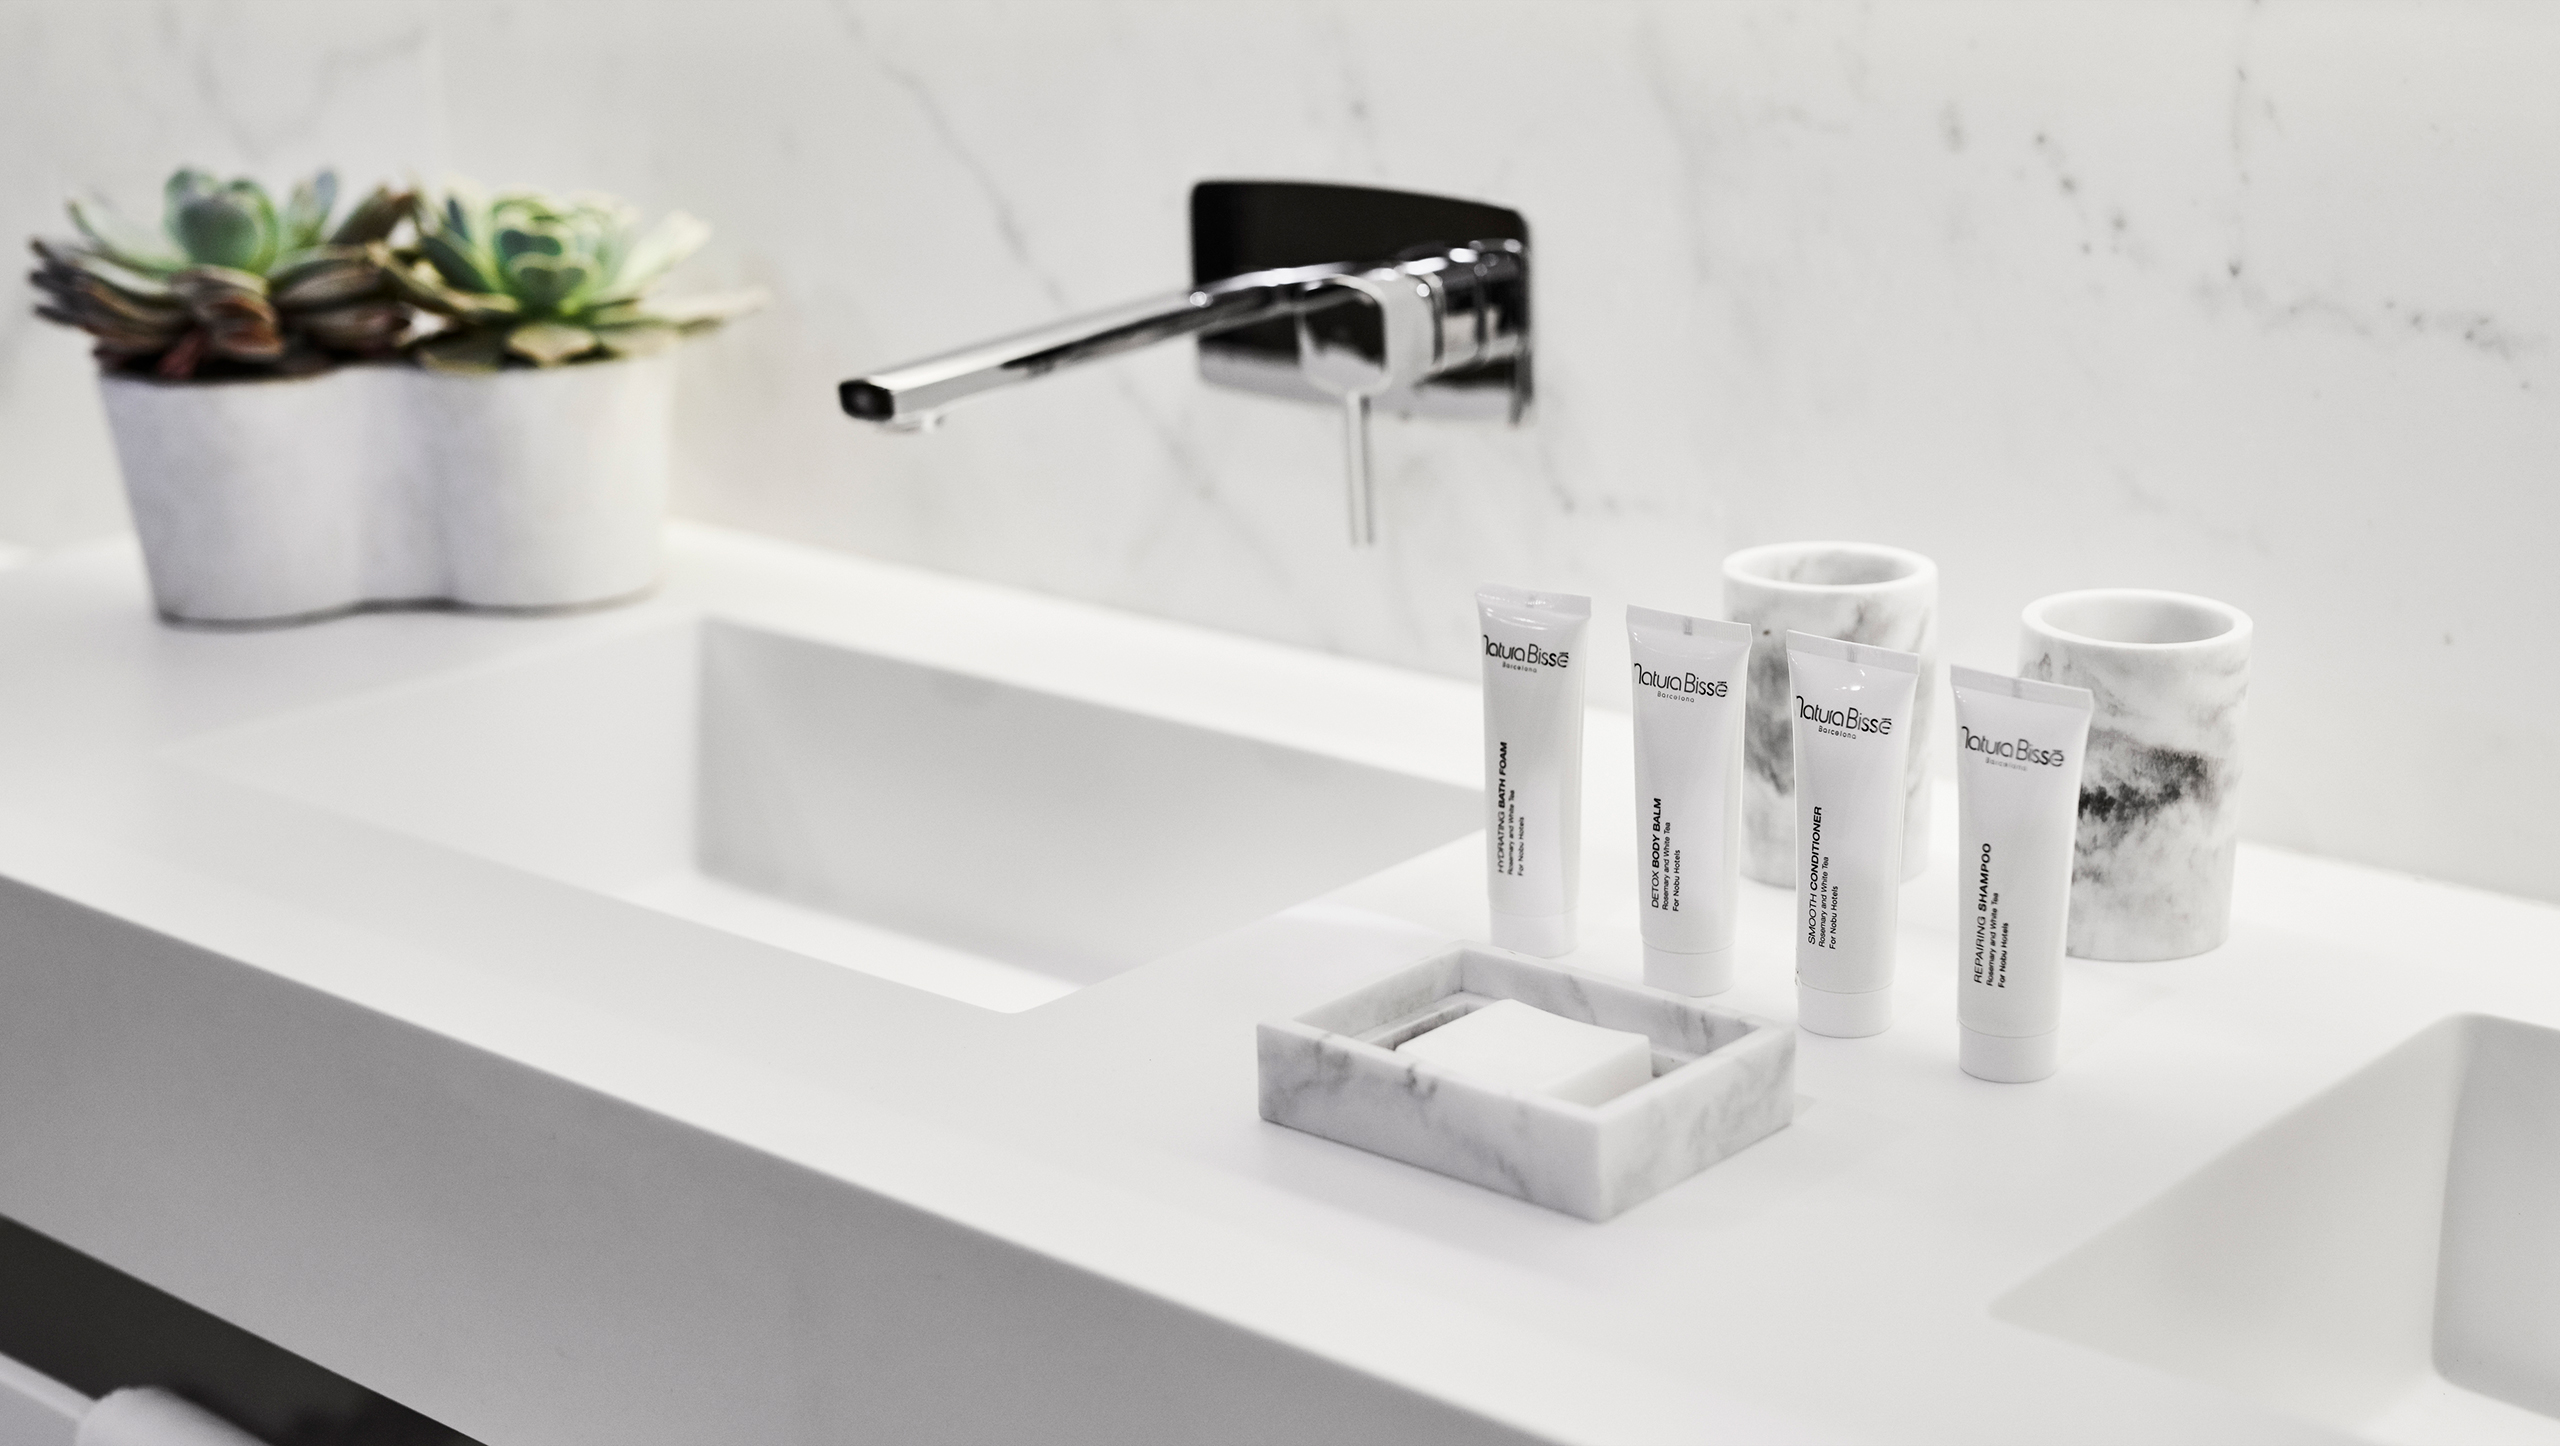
(218, 336)
(520, 463)
(545, 390)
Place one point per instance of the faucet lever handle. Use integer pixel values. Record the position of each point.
(1381, 335)
(1355, 456)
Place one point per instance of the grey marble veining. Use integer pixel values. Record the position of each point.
(1721, 1081)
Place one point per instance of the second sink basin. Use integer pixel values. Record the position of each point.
(993, 843)
(2386, 1259)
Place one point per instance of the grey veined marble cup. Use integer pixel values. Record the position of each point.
(2159, 791)
(1858, 592)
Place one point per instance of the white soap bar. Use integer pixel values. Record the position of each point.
(1509, 1045)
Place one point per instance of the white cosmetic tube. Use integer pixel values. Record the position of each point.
(1853, 709)
(2018, 749)
(1533, 764)
(1689, 676)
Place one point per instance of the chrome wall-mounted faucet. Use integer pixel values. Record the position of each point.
(1354, 297)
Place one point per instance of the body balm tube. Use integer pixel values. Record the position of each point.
(1853, 708)
(1689, 674)
(2018, 749)
(1533, 764)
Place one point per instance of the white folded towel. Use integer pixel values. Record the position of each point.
(149, 1416)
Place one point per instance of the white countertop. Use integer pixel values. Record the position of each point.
(516, 1269)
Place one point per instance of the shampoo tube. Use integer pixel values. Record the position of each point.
(2018, 749)
(1689, 678)
(1853, 740)
(1533, 764)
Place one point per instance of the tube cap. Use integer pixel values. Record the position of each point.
(1548, 936)
(1844, 1016)
(1708, 973)
(2007, 1059)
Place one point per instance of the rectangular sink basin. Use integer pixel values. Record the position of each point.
(992, 843)
(2385, 1259)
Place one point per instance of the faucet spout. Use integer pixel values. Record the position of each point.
(913, 396)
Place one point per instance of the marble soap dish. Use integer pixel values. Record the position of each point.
(1720, 1081)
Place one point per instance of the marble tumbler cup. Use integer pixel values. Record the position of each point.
(1857, 592)
(2159, 791)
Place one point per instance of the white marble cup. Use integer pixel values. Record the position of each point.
(2159, 791)
(1858, 592)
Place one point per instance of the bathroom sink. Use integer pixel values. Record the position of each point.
(992, 843)
(2386, 1259)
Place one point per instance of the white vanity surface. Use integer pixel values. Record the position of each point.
(557, 1168)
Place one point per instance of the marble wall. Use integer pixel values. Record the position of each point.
(2257, 300)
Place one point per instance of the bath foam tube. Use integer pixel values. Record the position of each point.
(2018, 750)
(1853, 709)
(1689, 677)
(1533, 658)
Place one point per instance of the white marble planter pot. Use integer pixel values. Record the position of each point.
(1721, 1081)
(548, 485)
(2159, 791)
(253, 499)
(1857, 592)
(284, 500)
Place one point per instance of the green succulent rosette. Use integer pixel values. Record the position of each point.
(229, 282)
(530, 279)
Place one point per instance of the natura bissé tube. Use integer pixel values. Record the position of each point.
(1689, 676)
(1533, 764)
(1852, 720)
(2018, 749)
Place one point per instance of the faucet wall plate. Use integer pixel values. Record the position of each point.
(1250, 226)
